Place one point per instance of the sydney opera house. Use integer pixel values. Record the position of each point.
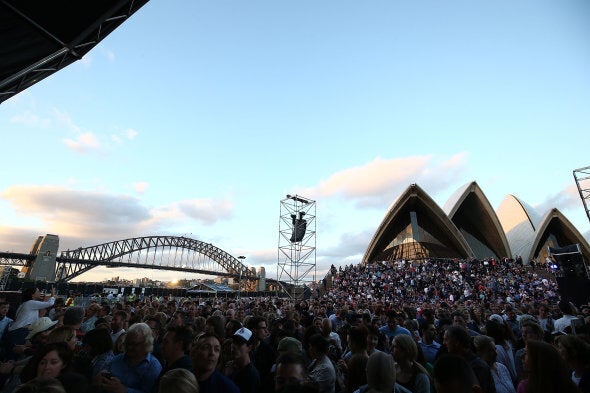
(416, 228)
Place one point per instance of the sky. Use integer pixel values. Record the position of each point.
(196, 118)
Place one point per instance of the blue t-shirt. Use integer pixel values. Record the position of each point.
(392, 333)
(140, 378)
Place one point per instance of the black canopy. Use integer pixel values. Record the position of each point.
(40, 37)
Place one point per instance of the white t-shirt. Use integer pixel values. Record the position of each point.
(28, 312)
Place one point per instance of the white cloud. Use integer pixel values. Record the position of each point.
(208, 211)
(378, 182)
(130, 133)
(92, 217)
(140, 187)
(565, 199)
(30, 119)
(83, 143)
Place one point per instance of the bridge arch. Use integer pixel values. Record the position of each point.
(72, 263)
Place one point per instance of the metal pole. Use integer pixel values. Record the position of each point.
(241, 258)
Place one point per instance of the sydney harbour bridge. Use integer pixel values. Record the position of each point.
(173, 253)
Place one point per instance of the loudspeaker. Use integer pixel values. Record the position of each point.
(575, 289)
(299, 227)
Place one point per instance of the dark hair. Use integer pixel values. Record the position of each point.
(63, 351)
(460, 334)
(120, 313)
(182, 333)
(28, 294)
(453, 372)
(288, 358)
(218, 324)
(99, 340)
(319, 343)
(357, 335)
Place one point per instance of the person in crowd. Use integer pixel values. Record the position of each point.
(381, 375)
(285, 345)
(427, 342)
(321, 370)
(392, 328)
(505, 352)
(240, 369)
(136, 370)
(564, 324)
(36, 338)
(511, 320)
(545, 369)
(5, 321)
(576, 353)
(98, 346)
(458, 342)
(119, 345)
(338, 319)
(215, 324)
(175, 346)
(89, 321)
(356, 375)
(263, 355)
(118, 325)
(530, 331)
(178, 380)
(372, 339)
(333, 337)
(545, 320)
(73, 317)
(41, 385)
(291, 368)
(410, 374)
(55, 361)
(26, 314)
(453, 374)
(460, 319)
(486, 349)
(63, 334)
(205, 353)
(356, 342)
(155, 324)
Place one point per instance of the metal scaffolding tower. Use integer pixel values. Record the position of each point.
(296, 264)
(582, 176)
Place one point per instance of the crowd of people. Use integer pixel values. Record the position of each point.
(432, 327)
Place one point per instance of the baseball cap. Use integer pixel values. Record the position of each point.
(243, 334)
(290, 344)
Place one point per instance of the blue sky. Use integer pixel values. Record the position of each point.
(196, 118)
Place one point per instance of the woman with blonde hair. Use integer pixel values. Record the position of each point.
(178, 380)
(63, 334)
(410, 374)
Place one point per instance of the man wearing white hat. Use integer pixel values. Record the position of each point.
(38, 334)
(240, 369)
